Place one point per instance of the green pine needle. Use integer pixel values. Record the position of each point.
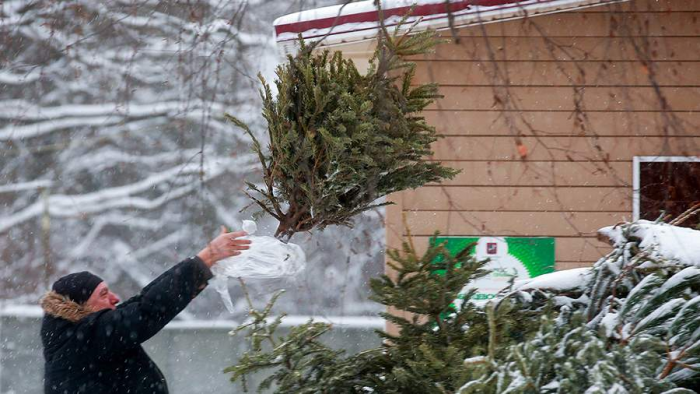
(339, 140)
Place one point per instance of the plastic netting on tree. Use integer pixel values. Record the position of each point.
(267, 258)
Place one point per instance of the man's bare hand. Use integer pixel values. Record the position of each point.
(227, 244)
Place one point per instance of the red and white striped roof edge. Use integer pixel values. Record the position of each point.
(354, 22)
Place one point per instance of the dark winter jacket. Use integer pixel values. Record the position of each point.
(100, 352)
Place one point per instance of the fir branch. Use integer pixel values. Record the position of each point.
(339, 140)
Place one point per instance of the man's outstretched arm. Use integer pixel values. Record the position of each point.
(158, 303)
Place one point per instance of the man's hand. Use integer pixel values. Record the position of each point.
(225, 245)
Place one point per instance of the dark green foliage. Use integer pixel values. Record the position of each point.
(427, 286)
(339, 140)
(427, 354)
(299, 361)
(425, 357)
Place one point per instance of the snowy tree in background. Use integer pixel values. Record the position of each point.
(116, 155)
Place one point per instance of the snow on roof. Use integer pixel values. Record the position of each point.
(359, 21)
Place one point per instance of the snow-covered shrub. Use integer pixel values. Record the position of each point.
(648, 286)
(629, 324)
(565, 356)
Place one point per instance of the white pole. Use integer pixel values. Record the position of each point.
(636, 197)
(2, 341)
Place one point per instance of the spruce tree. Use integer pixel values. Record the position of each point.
(636, 292)
(644, 337)
(338, 139)
(566, 357)
(425, 357)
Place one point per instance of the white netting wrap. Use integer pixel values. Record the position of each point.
(267, 258)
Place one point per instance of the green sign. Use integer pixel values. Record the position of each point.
(509, 257)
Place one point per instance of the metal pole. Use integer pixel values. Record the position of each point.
(46, 237)
(2, 340)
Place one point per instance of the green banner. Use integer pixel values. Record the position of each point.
(509, 257)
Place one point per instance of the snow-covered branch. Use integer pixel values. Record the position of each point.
(121, 197)
(18, 187)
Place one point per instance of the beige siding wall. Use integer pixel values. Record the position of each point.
(544, 116)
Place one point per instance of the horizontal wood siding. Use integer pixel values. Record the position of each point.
(520, 199)
(589, 73)
(542, 148)
(562, 98)
(508, 223)
(538, 173)
(558, 123)
(543, 117)
(562, 49)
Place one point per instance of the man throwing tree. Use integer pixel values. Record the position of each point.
(92, 345)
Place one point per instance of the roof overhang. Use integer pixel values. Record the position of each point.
(360, 21)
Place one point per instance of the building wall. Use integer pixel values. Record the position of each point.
(544, 115)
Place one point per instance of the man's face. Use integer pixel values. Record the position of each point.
(102, 298)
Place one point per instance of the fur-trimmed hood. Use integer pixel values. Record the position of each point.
(62, 307)
(100, 351)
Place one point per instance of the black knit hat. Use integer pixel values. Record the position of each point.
(78, 286)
